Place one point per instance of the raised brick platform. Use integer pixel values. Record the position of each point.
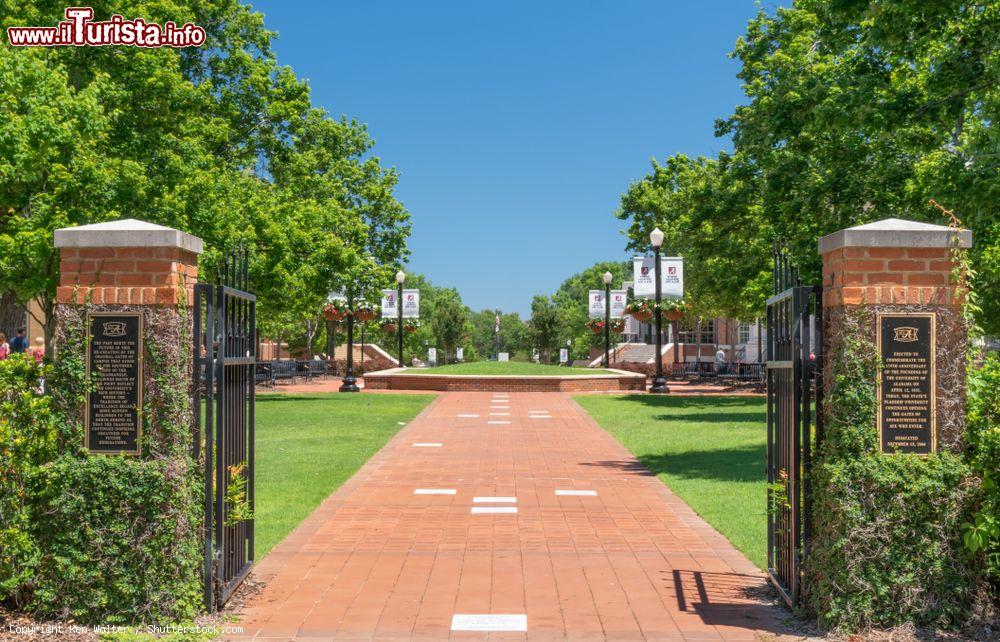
(401, 379)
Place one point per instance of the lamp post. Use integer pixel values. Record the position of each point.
(607, 318)
(350, 383)
(659, 382)
(400, 277)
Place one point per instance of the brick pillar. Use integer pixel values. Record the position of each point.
(126, 262)
(900, 266)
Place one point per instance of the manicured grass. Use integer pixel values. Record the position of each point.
(310, 444)
(506, 368)
(708, 450)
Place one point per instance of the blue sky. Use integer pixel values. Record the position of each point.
(517, 125)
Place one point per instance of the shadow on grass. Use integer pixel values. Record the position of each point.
(712, 417)
(667, 401)
(743, 464)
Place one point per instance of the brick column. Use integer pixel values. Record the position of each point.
(126, 262)
(904, 267)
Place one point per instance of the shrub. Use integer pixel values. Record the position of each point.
(984, 455)
(27, 440)
(121, 540)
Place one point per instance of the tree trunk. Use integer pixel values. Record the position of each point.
(12, 314)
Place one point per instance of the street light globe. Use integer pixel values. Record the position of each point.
(607, 278)
(401, 276)
(656, 237)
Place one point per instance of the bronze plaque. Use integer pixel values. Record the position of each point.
(906, 386)
(114, 406)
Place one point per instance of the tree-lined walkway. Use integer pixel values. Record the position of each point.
(466, 513)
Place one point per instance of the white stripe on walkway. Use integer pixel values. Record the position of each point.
(499, 414)
(498, 423)
(470, 416)
(482, 510)
(494, 500)
(434, 491)
(577, 493)
(426, 444)
(504, 622)
(539, 416)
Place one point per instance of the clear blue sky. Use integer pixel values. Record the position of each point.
(517, 125)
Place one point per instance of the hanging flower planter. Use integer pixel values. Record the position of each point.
(596, 325)
(673, 309)
(336, 310)
(389, 328)
(411, 325)
(617, 325)
(365, 313)
(641, 310)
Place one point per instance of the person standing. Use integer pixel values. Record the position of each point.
(38, 352)
(4, 347)
(19, 343)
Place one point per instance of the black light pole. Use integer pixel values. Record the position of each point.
(607, 318)
(350, 383)
(400, 277)
(659, 382)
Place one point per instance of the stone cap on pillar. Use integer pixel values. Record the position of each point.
(894, 232)
(127, 233)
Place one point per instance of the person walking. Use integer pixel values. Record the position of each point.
(19, 343)
(4, 347)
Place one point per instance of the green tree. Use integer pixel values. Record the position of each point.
(513, 339)
(544, 327)
(571, 299)
(449, 321)
(219, 141)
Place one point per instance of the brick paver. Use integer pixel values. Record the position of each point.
(376, 561)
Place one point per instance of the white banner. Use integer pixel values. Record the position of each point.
(459, 353)
(595, 304)
(503, 356)
(432, 356)
(563, 355)
(389, 304)
(411, 304)
(618, 300)
(671, 277)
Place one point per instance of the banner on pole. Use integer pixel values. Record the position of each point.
(389, 304)
(432, 356)
(618, 300)
(596, 304)
(563, 355)
(411, 304)
(671, 277)
(459, 353)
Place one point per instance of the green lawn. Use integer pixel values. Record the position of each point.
(308, 445)
(708, 450)
(506, 368)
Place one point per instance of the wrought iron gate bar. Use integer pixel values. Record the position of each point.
(225, 363)
(794, 337)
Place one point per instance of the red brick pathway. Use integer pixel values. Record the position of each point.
(376, 561)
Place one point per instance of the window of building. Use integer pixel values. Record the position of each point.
(687, 333)
(744, 332)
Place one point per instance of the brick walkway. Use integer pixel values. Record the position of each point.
(377, 560)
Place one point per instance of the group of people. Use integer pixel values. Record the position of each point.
(19, 345)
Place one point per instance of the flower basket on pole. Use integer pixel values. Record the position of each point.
(673, 309)
(336, 310)
(389, 327)
(617, 325)
(411, 325)
(365, 313)
(641, 310)
(596, 325)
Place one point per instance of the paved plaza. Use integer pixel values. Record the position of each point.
(507, 516)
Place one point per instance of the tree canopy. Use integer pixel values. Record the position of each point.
(220, 141)
(856, 111)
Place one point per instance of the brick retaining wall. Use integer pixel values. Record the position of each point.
(399, 380)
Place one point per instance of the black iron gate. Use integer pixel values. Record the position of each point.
(225, 354)
(794, 424)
